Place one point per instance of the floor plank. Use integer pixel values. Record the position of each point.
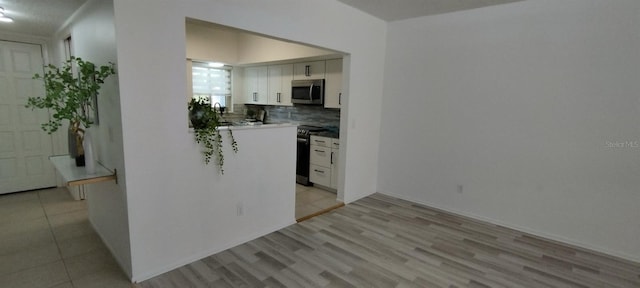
(381, 241)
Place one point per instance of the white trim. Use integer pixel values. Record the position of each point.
(29, 39)
(25, 38)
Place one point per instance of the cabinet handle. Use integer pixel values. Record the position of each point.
(255, 96)
(331, 158)
(321, 151)
(307, 70)
(319, 171)
(319, 141)
(278, 95)
(340, 98)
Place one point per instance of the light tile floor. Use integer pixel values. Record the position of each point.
(310, 200)
(46, 241)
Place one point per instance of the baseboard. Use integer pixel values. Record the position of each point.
(150, 274)
(523, 229)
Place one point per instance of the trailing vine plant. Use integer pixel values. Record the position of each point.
(205, 121)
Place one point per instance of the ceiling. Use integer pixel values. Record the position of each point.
(37, 17)
(392, 10)
(44, 17)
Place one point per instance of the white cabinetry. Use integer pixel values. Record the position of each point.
(333, 84)
(309, 70)
(335, 151)
(256, 85)
(280, 77)
(271, 85)
(323, 161)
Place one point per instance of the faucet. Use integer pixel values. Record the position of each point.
(220, 108)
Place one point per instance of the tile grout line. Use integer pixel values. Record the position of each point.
(42, 264)
(55, 239)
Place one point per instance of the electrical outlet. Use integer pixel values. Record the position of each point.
(460, 188)
(239, 209)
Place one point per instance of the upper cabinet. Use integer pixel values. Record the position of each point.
(271, 85)
(256, 85)
(309, 70)
(333, 84)
(280, 77)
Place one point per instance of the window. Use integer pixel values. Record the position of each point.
(67, 48)
(211, 83)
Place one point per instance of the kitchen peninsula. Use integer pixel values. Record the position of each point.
(263, 192)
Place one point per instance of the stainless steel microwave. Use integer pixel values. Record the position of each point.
(307, 91)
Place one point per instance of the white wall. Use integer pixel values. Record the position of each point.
(211, 42)
(166, 191)
(207, 41)
(259, 49)
(517, 103)
(93, 37)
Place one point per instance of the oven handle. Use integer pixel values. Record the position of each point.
(302, 140)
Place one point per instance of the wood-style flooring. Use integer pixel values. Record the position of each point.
(381, 241)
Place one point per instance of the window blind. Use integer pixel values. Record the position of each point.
(212, 82)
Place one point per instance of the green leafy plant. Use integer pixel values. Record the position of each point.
(69, 94)
(205, 121)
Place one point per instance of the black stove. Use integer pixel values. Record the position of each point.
(305, 131)
(303, 151)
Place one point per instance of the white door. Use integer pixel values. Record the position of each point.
(24, 147)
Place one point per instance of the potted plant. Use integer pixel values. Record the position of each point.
(70, 96)
(205, 121)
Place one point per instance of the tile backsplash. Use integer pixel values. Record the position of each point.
(299, 114)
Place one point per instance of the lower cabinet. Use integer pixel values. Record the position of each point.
(320, 175)
(335, 152)
(323, 161)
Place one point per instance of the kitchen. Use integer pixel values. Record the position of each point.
(261, 71)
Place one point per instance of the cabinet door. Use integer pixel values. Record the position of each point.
(319, 175)
(287, 76)
(320, 141)
(256, 84)
(333, 84)
(309, 70)
(320, 156)
(275, 84)
(280, 77)
(334, 168)
(335, 143)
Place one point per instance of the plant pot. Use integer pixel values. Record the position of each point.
(73, 145)
(76, 149)
(199, 118)
(80, 161)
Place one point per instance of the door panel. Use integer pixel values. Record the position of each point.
(24, 147)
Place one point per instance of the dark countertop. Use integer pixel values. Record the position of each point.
(330, 134)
